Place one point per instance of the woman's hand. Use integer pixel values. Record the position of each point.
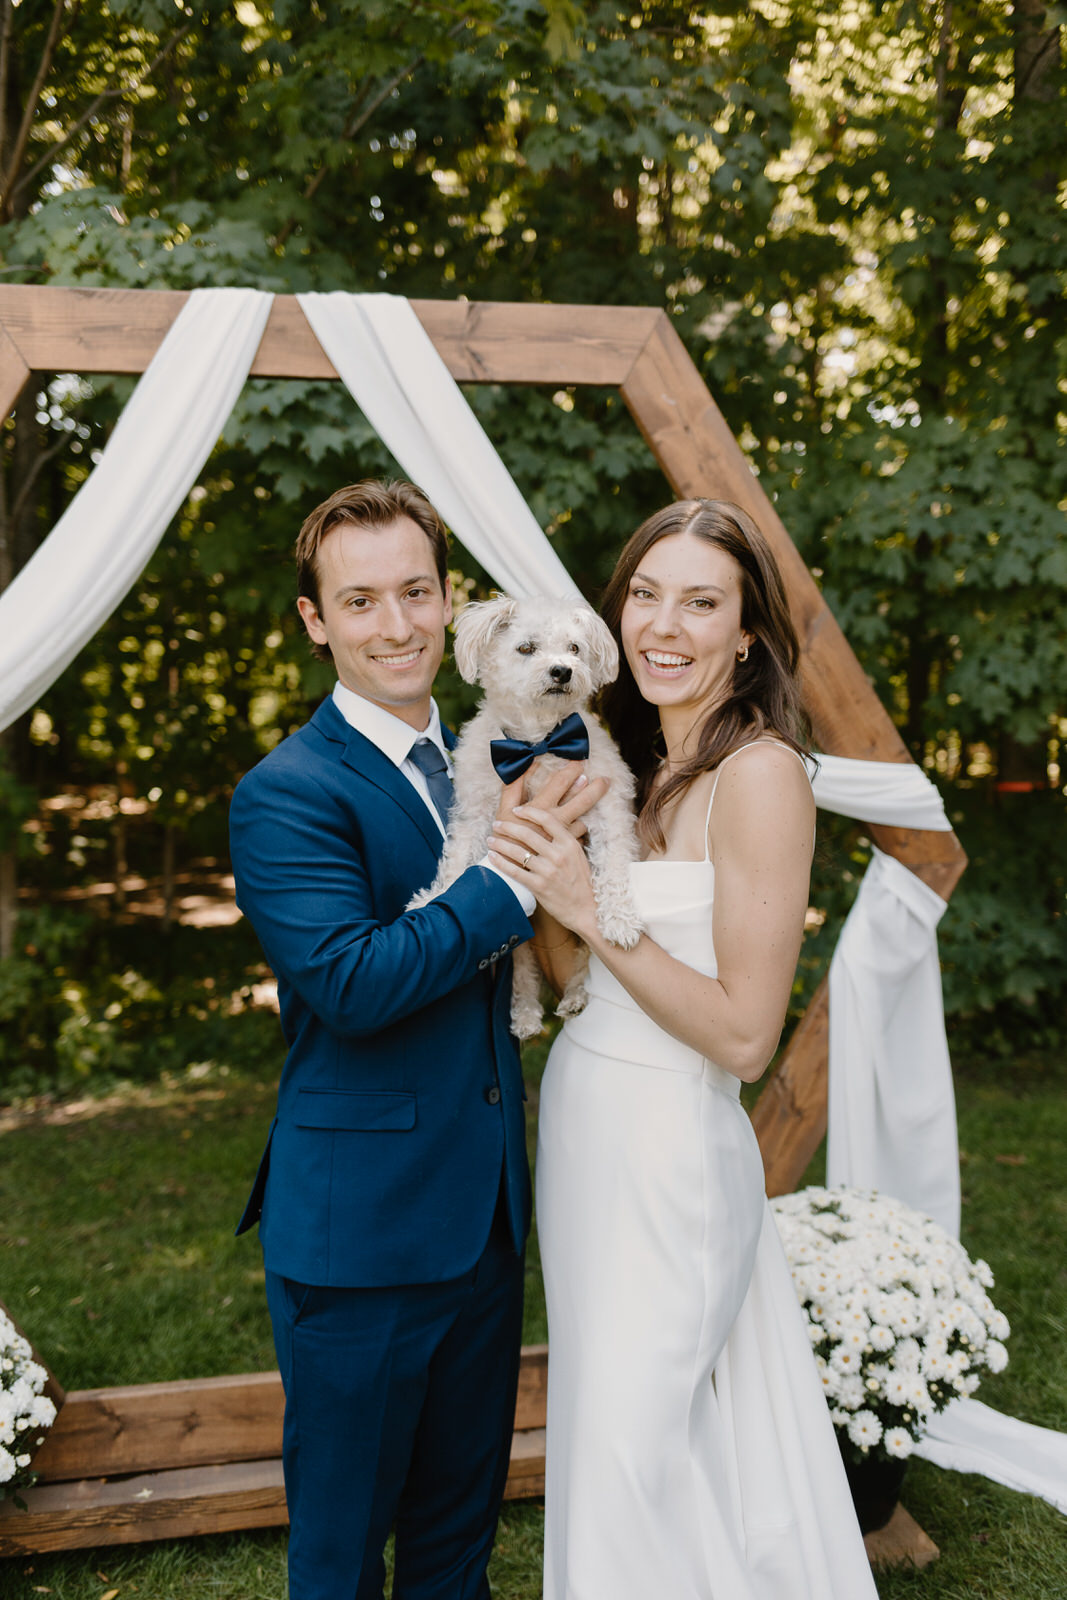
(537, 847)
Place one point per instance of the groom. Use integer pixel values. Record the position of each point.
(393, 1198)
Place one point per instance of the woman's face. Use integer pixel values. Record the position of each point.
(681, 624)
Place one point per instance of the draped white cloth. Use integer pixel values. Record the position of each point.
(895, 793)
(104, 539)
(970, 1437)
(891, 1113)
(390, 366)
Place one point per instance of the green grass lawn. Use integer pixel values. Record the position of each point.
(117, 1258)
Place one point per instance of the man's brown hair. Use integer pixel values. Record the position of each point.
(370, 504)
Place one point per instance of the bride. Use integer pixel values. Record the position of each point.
(690, 1453)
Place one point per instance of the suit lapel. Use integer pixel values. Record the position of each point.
(362, 756)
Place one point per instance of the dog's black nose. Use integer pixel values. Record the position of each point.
(560, 674)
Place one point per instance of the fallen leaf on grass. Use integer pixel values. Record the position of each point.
(1011, 1161)
(109, 1594)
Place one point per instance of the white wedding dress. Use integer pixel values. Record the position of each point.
(690, 1452)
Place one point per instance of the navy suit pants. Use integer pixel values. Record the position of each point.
(399, 1404)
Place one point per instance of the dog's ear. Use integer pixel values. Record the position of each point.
(603, 651)
(478, 623)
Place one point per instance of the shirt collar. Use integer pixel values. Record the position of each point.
(392, 737)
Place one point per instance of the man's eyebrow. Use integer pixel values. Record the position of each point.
(369, 588)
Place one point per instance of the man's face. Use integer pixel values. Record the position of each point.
(382, 614)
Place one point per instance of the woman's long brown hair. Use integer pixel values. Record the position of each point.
(764, 693)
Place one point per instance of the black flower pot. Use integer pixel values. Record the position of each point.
(875, 1484)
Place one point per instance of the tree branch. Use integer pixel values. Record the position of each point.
(30, 110)
(91, 110)
(6, 28)
(39, 463)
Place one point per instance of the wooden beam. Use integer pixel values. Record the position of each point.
(789, 1118)
(13, 372)
(120, 330)
(179, 1502)
(495, 342)
(158, 1505)
(150, 1427)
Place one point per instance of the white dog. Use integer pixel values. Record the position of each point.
(539, 661)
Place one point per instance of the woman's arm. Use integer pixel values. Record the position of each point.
(761, 838)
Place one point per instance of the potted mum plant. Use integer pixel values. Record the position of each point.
(900, 1321)
(25, 1410)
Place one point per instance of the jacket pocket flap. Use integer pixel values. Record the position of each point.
(354, 1109)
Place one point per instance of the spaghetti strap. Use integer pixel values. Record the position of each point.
(711, 798)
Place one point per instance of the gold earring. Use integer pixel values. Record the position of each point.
(742, 654)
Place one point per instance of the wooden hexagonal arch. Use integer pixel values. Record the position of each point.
(637, 350)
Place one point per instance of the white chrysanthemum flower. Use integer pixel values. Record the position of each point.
(996, 1357)
(7, 1465)
(865, 1430)
(897, 1442)
(881, 1283)
(998, 1324)
(881, 1338)
(851, 1393)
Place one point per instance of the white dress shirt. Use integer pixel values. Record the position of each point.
(396, 739)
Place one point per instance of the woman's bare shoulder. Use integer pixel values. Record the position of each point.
(765, 786)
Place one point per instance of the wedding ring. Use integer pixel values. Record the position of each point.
(527, 859)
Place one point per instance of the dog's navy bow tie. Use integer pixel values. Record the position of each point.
(512, 757)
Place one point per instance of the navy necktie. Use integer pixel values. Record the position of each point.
(431, 763)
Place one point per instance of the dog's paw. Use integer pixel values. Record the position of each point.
(423, 898)
(573, 1000)
(622, 928)
(526, 1020)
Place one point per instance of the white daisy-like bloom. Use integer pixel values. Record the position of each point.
(998, 1324)
(24, 1410)
(865, 1430)
(851, 1394)
(894, 1307)
(897, 1442)
(996, 1357)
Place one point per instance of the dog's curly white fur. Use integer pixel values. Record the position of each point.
(539, 660)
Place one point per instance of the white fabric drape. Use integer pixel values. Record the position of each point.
(892, 1113)
(390, 366)
(105, 537)
(970, 1437)
(895, 793)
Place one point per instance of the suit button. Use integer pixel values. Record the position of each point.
(493, 1096)
(482, 965)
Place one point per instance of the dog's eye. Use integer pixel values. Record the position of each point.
(526, 648)
(576, 650)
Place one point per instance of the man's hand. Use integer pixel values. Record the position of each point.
(568, 794)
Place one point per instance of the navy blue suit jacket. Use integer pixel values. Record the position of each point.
(400, 1102)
